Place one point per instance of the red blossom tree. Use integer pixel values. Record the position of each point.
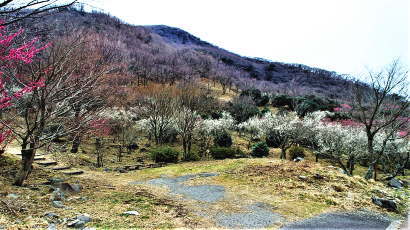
(11, 55)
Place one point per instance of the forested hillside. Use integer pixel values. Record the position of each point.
(166, 54)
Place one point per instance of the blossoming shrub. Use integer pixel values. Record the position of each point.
(164, 154)
(260, 149)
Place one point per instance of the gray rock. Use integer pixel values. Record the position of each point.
(107, 170)
(76, 224)
(52, 227)
(58, 204)
(302, 177)
(51, 215)
(395, 183)
(131, 213)
(84, 217)
(71, 188)
(12, 196)
(297, 159)
(385, 203)
(57, 194)
(55, 180)
(341, 171)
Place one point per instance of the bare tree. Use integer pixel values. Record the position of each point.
(47, 112)
(380, 106)
(13, 11)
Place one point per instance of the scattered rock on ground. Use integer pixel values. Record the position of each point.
(51, 215)
(51, 227)
(80, 221)
(385, 203)
(55, 180)
(302, 177)
(58, 204)
(395, 183)
(297, 159)
(57, 194)
(131, 213)
(12, 196)
(71, 188)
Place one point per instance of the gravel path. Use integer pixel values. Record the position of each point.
(260, 215)
(342, 220)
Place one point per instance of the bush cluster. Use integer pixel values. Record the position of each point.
(260, 149)
(296, 151)
(220, 153)
(222, 139)
(164, 154)
(303, 105)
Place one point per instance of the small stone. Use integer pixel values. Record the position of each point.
(51, 227)
(71, 188)
(131, 213)
(12, 196)
(55, 180)
(395, 183)
(84, 217)
(302, 177)
(51, 215)
(106, 170)
(341, 171)
(76, 224)
(57, 194)
(297, 159)
(58, 204)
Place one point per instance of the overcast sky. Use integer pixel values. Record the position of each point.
(346, 36)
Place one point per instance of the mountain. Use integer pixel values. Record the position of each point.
(166, 54)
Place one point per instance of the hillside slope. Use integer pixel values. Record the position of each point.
(167, 52)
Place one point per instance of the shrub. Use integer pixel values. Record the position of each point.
(265, 110)
(220, 153)
(296, 151)
(273, 140)
(193, 156)
(164, 154)
(305, 107)
(262, 101)
(260, 149)
(243, 108)
(223, 139)
(282, 100)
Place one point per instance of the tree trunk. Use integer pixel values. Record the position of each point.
(76, 144)
(27, 158)
(283, 153)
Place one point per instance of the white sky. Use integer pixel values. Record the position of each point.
(346, 36)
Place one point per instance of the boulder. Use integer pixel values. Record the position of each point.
(395, 183)
(52, 227)
(385, 203)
